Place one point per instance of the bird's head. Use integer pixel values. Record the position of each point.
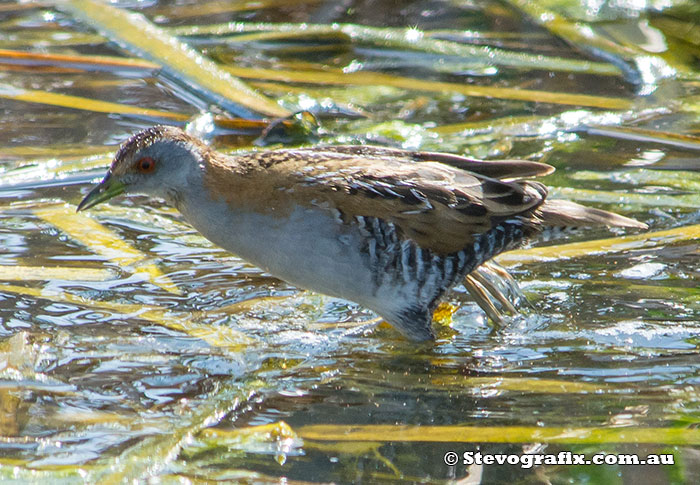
(161, 161)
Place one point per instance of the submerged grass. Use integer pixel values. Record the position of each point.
(31, 273)
(338, 77)
(85, 104)
(125, 400)
(520, 384)
(600, 246)
(408, 39)
(499, 434)
(177, 59)
(217, 336)
(91, 62)
(104, 242)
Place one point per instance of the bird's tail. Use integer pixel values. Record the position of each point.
(564, 213)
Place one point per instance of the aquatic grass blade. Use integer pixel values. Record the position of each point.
(104, 242)
(180, 62)
(30, 273)
(361, 78)
(498, 434)
(86, 104)
(600, 246)
(90, 62)
(403, 39)
(220, 336)
(638, 67)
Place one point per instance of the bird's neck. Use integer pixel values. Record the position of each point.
(229, 202)
(246, 185)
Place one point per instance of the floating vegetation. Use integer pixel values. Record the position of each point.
(178, 61)
(409, 39)
(505, 434)
(133, 350)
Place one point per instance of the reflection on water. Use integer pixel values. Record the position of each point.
(107, 375)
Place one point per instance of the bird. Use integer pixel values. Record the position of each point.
(390, 229)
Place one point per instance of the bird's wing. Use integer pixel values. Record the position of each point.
(439, 206)
(498, 169)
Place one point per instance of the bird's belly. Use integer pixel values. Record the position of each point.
(307, 248)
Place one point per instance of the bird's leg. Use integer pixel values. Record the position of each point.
(507, 280)
(489, 284)
(482, 298)
(482, 276)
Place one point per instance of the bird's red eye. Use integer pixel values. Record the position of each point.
(146, 165)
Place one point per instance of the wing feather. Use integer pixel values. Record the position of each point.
(498, 169)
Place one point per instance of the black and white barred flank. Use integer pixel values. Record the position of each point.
(395, 260)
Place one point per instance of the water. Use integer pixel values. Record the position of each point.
(107, 374)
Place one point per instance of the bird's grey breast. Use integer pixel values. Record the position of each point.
(306, 246)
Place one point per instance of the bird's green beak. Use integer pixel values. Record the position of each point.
(105, 190)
